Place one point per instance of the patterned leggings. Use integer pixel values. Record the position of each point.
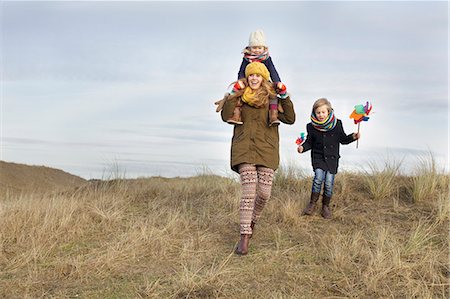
(256, 184)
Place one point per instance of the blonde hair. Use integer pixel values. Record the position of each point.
(321, 102)
(265, 92)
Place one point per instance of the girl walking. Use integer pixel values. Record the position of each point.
(325, 133)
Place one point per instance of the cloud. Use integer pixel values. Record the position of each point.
(138, 80)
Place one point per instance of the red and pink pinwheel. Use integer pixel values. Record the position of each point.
(300, 140)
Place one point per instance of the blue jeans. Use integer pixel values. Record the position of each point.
(323, 177)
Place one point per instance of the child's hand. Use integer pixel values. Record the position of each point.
(300, 149)
(281, 90)
(356, 136)
(239, 85)
(220, 104)
(281, 86)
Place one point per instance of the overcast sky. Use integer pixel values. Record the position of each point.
(87, 86)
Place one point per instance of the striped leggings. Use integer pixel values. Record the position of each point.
(256, 184)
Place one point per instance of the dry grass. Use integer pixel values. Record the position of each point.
(428, 181)
(174, 238)
(382, 183)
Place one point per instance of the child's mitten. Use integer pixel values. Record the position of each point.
(237, 86)
(281, 90)
(220, 104)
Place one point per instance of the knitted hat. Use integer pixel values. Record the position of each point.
(257, 38)
(257, 68)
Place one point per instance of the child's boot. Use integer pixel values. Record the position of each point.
(236, 118)
(309, 210)
(326, 212)
(273, 117)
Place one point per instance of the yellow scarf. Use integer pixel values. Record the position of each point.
(249, 97)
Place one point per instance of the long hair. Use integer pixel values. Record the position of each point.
(262, 95)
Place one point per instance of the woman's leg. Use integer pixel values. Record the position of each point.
(265, 179)
(248, 182)
(248, 176)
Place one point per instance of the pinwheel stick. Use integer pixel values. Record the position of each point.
(358, 138)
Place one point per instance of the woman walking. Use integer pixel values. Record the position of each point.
(255, 145)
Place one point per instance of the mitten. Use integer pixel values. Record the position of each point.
(237, 86)
(221, 102)
(281, 90)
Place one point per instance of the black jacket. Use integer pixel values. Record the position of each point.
(324, 146)
(268, 63)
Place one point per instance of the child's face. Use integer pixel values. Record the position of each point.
(254, 81)
(257, 50)
(321, 112)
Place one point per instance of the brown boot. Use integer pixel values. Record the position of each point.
(309, 210)
(326, 212)
(273, 117)
(236, 118)
(242, 248)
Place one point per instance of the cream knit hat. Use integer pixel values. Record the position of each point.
(257, 38)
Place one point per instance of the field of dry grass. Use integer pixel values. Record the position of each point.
(174, 238)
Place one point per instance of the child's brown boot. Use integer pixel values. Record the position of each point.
(326, 212)
(273, 117)
(309, 210)
(236, 118)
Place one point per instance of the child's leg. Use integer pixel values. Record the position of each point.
(236, 118)
(265, 179)
(273, 112)
(248, 176)
(239, 85)
(329, 184)
(327, 193)
(319, 177)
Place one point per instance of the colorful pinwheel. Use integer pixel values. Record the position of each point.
(361, 113)
(300, 140)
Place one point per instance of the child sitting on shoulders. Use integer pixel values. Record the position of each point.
(256, 51)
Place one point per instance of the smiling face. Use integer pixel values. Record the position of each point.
(321, 112)
(257, 50)
(254, 81)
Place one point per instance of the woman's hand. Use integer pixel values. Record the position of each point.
(356, 136)
(300, 149)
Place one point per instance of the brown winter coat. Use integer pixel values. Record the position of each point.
(254, 141)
